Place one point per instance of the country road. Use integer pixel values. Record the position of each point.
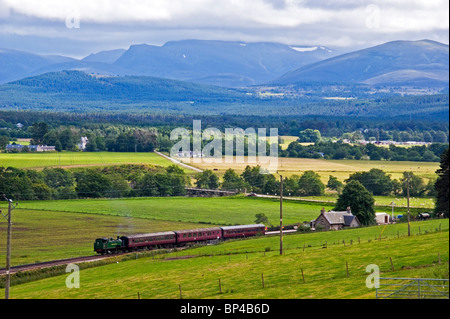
(179, 163)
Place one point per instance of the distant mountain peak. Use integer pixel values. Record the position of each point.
(422, 62)
(109, 56)
(217, 62)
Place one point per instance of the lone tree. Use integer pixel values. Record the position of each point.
(310, 184)
(441, 186)
(207, 179)
(360, 200)
(335, 184)
(261, 218)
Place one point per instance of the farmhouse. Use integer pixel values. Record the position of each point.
(190, 154)
(332, 220)
(31, 148)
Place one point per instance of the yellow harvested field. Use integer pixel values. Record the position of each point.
(338, 168)
(289, 139)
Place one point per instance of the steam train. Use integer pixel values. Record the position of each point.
(177, 238)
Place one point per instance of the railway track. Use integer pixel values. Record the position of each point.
(52, 263)
(60, 262)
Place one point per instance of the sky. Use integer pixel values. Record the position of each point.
(79, 27)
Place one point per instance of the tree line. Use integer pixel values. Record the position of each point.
(329, 126)
(106, 182)
(376, 181)
(339, 150)
(106, 138)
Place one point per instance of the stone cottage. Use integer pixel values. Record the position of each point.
(332, 220)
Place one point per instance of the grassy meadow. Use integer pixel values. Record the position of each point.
(234, 210)
(78, 159)
(304, 271)
(426, 203)
(39, 235)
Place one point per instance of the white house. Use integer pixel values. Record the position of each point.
(83, 141)
(382, 218)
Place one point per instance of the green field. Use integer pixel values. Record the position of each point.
(426, 203)
(21, 141)
(235, 210)
(77, 159)
(301, 273)
(39, 235)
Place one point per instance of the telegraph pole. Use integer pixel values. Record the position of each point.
(281, 215)
(407, 198)
(8, 247)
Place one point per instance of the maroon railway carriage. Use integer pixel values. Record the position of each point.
(194, 235)
(164, 239)
(243, 231)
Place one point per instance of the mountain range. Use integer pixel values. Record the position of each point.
(221, 63)
(239, 64)
(219, 77)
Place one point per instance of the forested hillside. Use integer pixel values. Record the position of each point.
(75, 91)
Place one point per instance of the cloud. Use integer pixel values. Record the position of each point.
(344, 23)
(398, 14)
(4, 10)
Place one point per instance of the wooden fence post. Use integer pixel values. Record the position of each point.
(220, 286)
(346, 265)
(303, 276)
(392, 264)
(262, 278)
(181, 294)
